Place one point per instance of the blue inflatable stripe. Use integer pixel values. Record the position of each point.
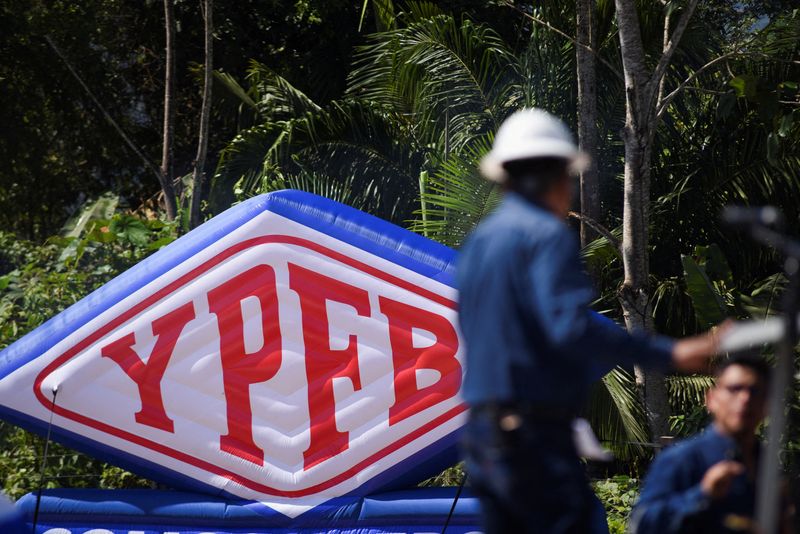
(121, 510)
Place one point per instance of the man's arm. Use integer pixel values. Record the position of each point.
(560, 297)
(671, 498)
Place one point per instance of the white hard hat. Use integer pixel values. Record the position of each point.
(527, 134)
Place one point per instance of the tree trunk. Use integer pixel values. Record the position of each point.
(642, 91)
(587, 115)
(199, 175)
(634, 296)
(170, 202)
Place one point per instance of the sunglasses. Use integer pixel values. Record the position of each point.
(735, 389)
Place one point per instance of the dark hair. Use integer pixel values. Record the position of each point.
(535, 176)
(756, 364)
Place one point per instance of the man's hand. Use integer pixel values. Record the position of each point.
(691, 354)
(717, 481)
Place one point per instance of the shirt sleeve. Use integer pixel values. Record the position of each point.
(560, 296)
(667, 501)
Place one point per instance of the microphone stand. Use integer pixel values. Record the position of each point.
(768, 494)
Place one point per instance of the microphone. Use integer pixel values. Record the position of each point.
(746, 335)
(747, 216)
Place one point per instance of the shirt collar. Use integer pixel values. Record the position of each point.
(516, 200)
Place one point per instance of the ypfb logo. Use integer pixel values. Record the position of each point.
(278, 363)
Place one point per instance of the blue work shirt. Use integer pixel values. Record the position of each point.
(671, 499)
(524, 313)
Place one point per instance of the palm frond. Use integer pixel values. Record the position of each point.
(365, 141)
(457, 197)
(348, 140)
(673, 312)
(244, 162)
(616, 414)
(232, 99)
(438, 70)
(547, 78)
(687, 403)
(277, 99)
(764, 298)
(687, 391)
(230, 84)
(421, 10)
(708, 304)
(346, 191)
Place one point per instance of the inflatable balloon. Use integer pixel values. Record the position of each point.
(290, 351)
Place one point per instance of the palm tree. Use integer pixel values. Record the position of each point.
(423, 101)
(360, 145)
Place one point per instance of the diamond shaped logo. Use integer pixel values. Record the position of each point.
(275, 357)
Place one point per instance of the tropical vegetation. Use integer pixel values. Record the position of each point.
(388, 107)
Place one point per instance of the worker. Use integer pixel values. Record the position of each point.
(707, 483)
(532, 342)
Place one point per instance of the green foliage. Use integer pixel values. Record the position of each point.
(384, 14)
(446, 72)
(618, 495)
(690, 422)
(709, 308)
(455, 197)
(348, 191)
(452, 476)
(709, 285)
(422, 96)
(36, 283)
(103, 208)
(352, 144)
(616, 413)
(21, 466)
(732, 138)
(60, 149)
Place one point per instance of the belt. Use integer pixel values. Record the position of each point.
(527, 410)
